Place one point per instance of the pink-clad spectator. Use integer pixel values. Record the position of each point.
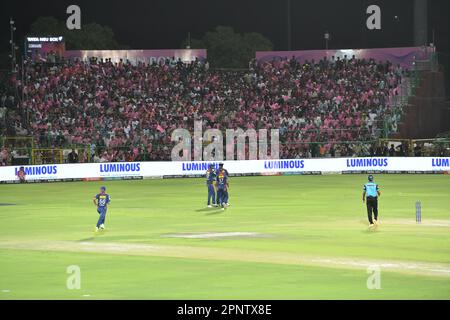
(4, 155)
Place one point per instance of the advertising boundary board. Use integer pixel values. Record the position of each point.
(139, 170)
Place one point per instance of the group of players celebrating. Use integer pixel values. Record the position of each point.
(217, 183)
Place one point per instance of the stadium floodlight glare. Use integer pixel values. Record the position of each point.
(326, 36)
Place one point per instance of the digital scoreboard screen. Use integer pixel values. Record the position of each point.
(47, 49)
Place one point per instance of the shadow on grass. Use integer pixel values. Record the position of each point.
(215, 212)
(213, 209)
(86, 239)
(105, 236)
(369, 230)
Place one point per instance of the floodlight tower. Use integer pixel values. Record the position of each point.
(289, 28)
(326, 37)
(13, 46)
(420, 22)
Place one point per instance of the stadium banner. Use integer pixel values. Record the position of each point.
(50, 172)
(404, 57)
(136, 56)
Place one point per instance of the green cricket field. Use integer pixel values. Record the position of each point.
(283, 237)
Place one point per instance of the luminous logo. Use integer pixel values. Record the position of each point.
(284, 164)
(120, 167)
(439, 162)
(39, 170)
(368, 162)
(198, 166)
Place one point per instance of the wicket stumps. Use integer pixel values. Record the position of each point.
(418, 212)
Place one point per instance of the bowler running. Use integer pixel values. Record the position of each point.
(101, 201)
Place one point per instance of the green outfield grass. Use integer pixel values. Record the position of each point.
(294, 237)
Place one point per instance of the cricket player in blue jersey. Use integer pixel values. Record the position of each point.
(370, 196)
(222, 187)
(101, 201)
(226, 195)
(210, 178)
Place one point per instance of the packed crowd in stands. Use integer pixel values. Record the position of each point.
(126, 112)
